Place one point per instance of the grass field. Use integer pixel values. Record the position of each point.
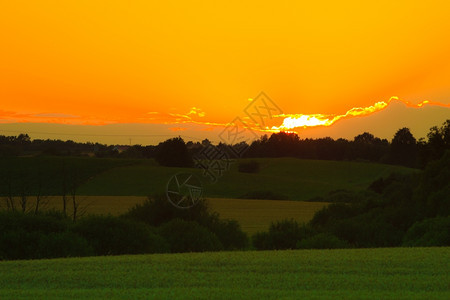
(297, 179)
(395, 273)
(252, 215)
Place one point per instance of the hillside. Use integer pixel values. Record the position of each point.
(295, 178)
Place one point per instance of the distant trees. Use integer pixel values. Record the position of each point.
(438, 142)
(403, 150)
(368, 147)
(173, 153)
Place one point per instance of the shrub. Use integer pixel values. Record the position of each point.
(429, 232)
(46, 235)
(110, 235)
(157, 211)
(229, 233)
(188, 236)
(19, 244)
(44, 222)
(371, 229)
(281, 235)
(261, 241)
(63, 244)
(248, 166)
(331, 213)
(322, 241)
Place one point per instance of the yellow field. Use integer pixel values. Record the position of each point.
(256, 215)
(253, 215)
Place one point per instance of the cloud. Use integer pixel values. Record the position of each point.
(178, 128)
(197, 111)
(55, 115)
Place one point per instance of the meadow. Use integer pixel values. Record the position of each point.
(295, 178)
(383, 273)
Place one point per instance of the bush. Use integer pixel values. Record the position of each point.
(63, 244)
(261, 241)
(47, 235)
(19, 244)
(328, 215)
(110, 235)
(43, 222)
(428, 233)
(322, 241)
(248, 166)
(371, 229)
(188, 236)
(229, 233)
(281, 235)
(157, 211)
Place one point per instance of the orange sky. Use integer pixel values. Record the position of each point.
(102, 62)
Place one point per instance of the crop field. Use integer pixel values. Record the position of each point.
(252, 215)
(394, 273)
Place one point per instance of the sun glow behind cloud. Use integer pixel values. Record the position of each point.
(293, 121)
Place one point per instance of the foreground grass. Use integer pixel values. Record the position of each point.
(396, 273)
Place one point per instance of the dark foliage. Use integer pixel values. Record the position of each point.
(404, 150)
(322, 241)
(409, 210)
(158, 210)
(173, 153)
(429, 233)
(189, 236)
(110, 235)
(281, 235)
(29, 236)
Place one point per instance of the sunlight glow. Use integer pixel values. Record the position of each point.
(299, 120)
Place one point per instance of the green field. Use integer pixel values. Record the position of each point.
(297, 179)
(395, 273)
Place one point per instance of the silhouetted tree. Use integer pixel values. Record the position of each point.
(404, 148)
(173, 153)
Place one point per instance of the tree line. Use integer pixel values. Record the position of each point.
(404, 149)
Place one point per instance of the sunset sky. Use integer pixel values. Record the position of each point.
(196, 65)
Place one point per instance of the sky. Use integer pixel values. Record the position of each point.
(195, 66)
